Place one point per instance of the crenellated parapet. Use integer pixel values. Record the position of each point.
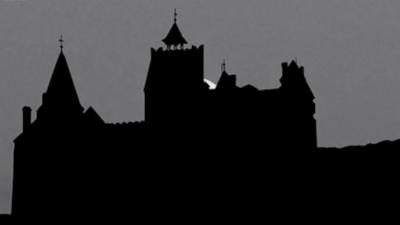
(165, 52)
(179, 68)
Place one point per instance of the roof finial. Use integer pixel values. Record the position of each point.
(175, 15)
(223, 66)
(61, 42)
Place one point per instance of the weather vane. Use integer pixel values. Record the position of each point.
(223, 65)
(61, 42)
(175, 15)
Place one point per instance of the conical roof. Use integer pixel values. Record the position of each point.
(61, 86)
(174, 37)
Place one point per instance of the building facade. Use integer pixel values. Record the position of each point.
(69, 161)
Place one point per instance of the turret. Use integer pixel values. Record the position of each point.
(60, 99)
(174, 39)
(175, 78)
(226, 81)
(293, 81)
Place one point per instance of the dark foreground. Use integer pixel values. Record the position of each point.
(327, 183)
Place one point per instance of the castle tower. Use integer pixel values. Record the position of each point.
(42, 151)
(61, 99)
(298, 95)
(175, 79)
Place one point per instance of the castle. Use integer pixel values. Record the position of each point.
(70, 161)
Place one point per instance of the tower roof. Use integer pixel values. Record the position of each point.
(174, 36)
(61, 86)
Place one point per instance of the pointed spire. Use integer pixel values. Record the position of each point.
(61, 88)
(174, 37)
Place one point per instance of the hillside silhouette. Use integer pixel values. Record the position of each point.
(200, 153)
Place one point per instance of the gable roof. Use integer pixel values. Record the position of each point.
(93, 117)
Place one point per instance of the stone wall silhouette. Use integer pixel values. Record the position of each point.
(193, 146)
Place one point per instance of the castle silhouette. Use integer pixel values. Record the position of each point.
(70, 161)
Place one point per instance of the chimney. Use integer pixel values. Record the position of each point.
(26, 117)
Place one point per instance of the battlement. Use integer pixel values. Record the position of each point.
(163, 52)
(125, 124)
(171, 68)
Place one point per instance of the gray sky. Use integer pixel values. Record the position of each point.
(350, 50)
